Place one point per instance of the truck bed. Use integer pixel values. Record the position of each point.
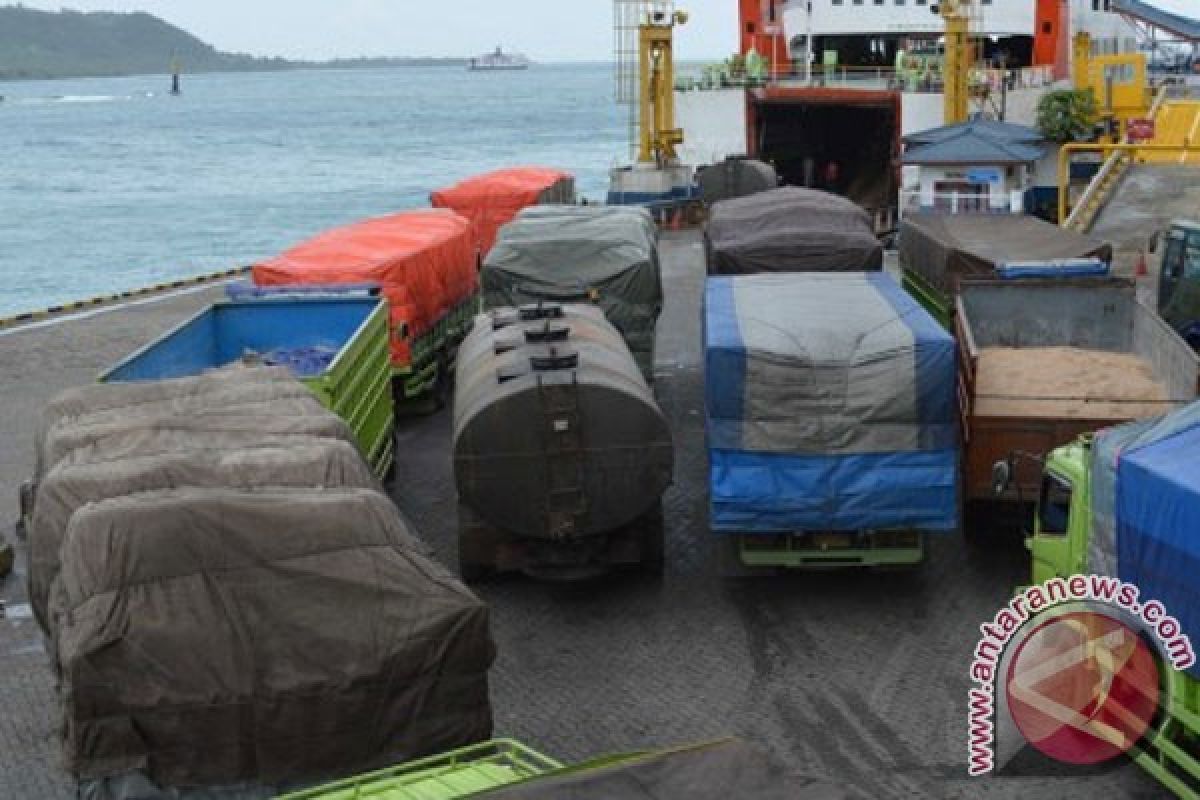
(1066, 382)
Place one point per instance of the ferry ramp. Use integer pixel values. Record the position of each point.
(1147, 198)
(860, 677)
(1177, 123)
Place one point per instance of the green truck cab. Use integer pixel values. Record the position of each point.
(1059, 543)
(1179, 280)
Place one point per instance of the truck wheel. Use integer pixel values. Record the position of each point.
(476, 546)
(653, 539)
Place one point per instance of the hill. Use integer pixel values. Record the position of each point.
(43, 44)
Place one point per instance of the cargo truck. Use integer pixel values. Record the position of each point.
(1126, 503)
(830, 419)
(1041, 362)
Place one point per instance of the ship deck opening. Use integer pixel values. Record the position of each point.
(803, 132)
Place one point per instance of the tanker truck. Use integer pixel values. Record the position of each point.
(1125, 503)
(561, 454)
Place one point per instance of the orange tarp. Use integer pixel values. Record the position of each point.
(425, 262)
(494, 198)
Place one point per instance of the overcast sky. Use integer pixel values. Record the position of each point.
(548, 30)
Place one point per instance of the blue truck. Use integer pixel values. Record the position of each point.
(831, 419)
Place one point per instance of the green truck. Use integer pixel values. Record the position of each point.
(1126, 503)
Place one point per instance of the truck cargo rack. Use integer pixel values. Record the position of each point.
(1169, 751)
(814, 550)
(458, 773)
(433, 351)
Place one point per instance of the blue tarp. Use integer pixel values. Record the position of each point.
(829, 405)
(1158, 519)
(1060, 268)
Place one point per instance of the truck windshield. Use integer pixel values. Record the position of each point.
(1054, 506)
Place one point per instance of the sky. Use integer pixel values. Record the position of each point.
(546, 30)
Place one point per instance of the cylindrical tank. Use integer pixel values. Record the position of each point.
(556, 434)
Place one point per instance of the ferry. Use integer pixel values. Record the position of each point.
(498, 60)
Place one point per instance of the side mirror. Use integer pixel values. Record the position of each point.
(1001, 477)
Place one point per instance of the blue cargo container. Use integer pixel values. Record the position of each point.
(831, 421)
(338, 347)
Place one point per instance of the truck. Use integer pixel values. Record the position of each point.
(830, 419)
(1041, 362)
(1179, 280)
(1125, 503)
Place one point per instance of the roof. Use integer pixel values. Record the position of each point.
(976, 142)
(1178, 24)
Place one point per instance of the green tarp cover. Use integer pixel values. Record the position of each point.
(586, 254)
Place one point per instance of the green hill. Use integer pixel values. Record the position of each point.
(42, 44)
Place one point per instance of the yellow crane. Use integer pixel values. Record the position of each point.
(657, 135)
(959, 58)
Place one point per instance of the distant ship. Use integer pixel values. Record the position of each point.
(498, 60)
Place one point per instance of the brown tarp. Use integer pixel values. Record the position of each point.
(790, 230)
(722, 770)
(218, 637)
(136, 462)
(945, 248)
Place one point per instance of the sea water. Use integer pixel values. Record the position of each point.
(113, 183)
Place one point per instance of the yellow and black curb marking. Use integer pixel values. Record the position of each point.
(80, 305)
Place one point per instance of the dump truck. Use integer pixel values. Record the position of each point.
(1042, 362)
(561, 454)
(1125, 503)
(830, 418)
(336, 345)
(1179, 280)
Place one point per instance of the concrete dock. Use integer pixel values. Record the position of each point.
(859, 677)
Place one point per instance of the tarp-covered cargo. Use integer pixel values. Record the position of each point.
(218, 637)
(494, 198)
(943, 249)
(1146, 511)
(73, 405)
(589, 254)
(790, 230)
(830, 405)
(425, 261)
(135, 461)
(716, 771)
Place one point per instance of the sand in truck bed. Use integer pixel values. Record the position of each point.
(1066, 382)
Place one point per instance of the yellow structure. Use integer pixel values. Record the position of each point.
(657, 135)
(1177, 124)
(1118, 82)
(959, 59)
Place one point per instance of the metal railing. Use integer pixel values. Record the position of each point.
(914, 200)
(994, 81)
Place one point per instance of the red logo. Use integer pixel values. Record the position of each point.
(1083, 687)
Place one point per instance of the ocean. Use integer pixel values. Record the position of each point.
(109, 184)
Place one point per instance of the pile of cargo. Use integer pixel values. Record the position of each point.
(228, 594)
(494, 198)
(790, 230)
(561, 454)
(606, 255)
(830, 418)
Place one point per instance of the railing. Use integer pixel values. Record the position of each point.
(914, 200)
(994, 81)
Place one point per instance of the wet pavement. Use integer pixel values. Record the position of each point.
(860, 677)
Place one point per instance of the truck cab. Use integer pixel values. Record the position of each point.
(1179, 280)
(1059, 539)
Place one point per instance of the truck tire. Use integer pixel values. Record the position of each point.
(652, 533)
(476, 546)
